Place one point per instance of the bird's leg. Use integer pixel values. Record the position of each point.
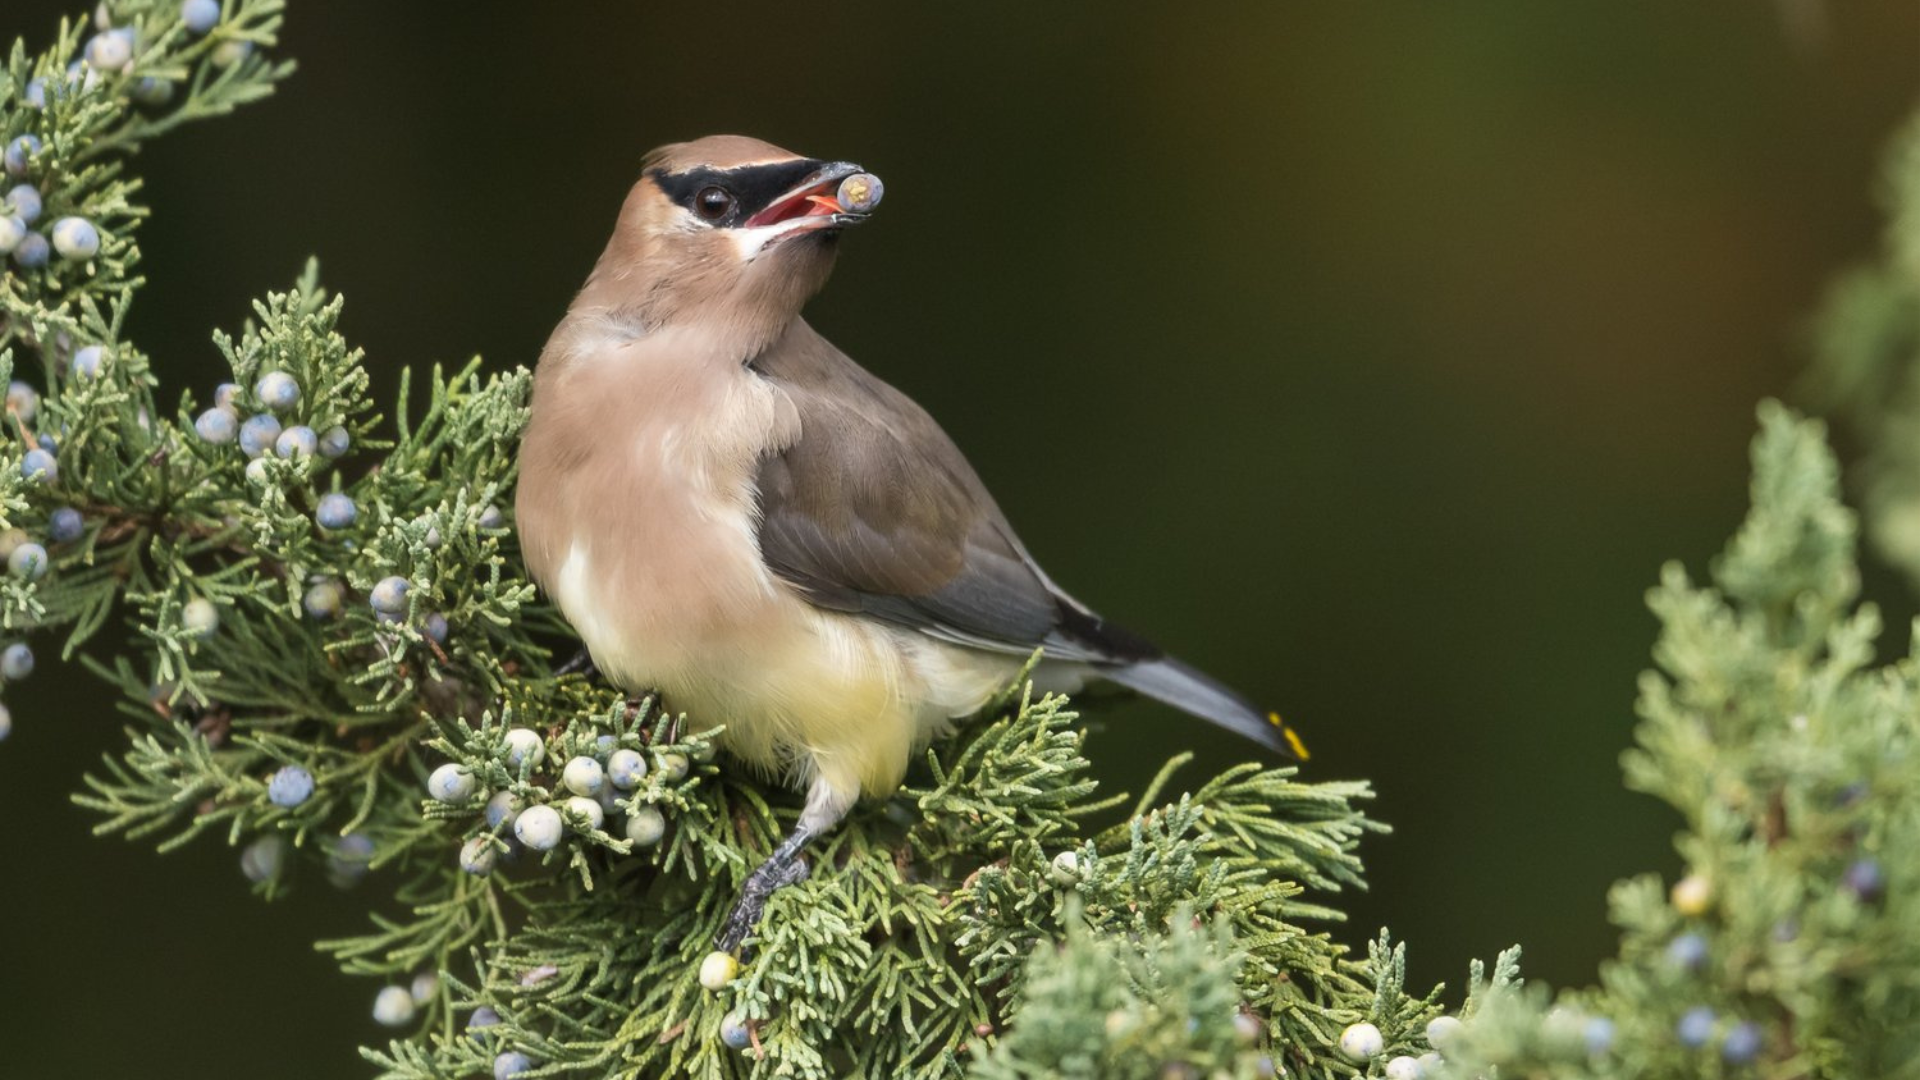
(826, 805)
(786, 866)
(580, 664)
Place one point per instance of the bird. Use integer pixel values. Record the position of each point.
(732, 512)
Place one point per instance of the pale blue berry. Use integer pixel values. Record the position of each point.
(524, 747)
(389, 596)
(424, 986)
(1598, 1035)
(1688, 951)
(37, 93)
(65, 525)
(1066, 871)
(13, 233)
(626, 768)
(539, 827)
(646, 826)
(28, 562)
(87, 362)
(262, 860)
(216, 426)
(482, 1017)
(39, 466)
(151, 90)
(258, 434)
(478, 856)
(1402, 1068)
(229, 53)
(492, 518)
(297, 441)
(733, 1032)
(1361, 1041)
(323, 599)
(32, 252)
(6, 722)
(336, 511)
(435, 627)
(451, 783)
(499, 808)
(393, 1007)
(1441, 1030)
(76, 239)
(1695, 1027)
(199, 617)
(200, 16)
(48, 443)
(277, 391)
(511, 1063)
(227, 396)
(587, 809)
(110, 51)
(24, 200)
(290, 787)
(19, 154)
(1248, 1028)
(583, 776)
(1865, 880)
(1743, 1043)
(860, 193)
(335, 442)
(16, 662)
(355, 846)
(23, 401)
(717, 969)
(609, 799)
(348, 859)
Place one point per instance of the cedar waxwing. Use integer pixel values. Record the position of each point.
(732, 512)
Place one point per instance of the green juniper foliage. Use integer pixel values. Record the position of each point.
(1792, 946)
(331, 660)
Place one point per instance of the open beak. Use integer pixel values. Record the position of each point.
(815, 204)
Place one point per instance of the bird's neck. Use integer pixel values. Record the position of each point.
(738, 312)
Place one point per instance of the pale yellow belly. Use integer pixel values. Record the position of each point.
(802, 693)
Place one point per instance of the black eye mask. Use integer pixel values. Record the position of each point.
(753, 187)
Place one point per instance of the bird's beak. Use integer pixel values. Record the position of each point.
(816, 203)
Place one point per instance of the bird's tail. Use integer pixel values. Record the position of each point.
(1193, 691)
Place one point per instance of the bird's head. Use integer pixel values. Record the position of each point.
(730, 231)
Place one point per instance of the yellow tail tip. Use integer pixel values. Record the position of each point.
(1293, 737)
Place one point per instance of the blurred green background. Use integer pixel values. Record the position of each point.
(1372, 358)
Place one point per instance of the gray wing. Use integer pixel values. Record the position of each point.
(874, 510)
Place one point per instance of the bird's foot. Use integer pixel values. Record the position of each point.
(782, 869)
(580, 664)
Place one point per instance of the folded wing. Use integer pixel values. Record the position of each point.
(873, 510)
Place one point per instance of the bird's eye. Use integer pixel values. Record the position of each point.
(713, 203)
